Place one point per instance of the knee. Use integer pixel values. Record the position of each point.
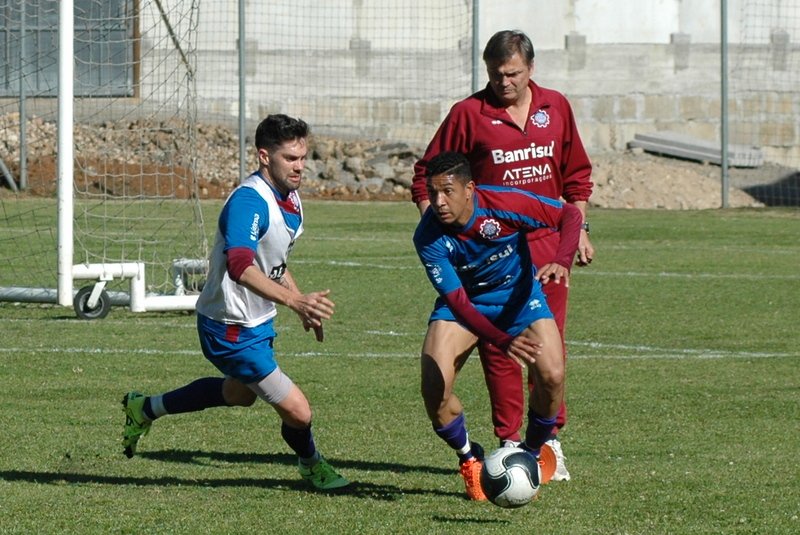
(237, 394)
(552, 378)
(298, 417)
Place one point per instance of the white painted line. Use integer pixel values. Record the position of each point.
(577, 272)
(642, 354)
(667, 274)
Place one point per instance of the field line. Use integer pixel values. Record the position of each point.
(623, 352)
(580, 272)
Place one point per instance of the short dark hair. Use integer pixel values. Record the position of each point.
(278, 128)
(505, 44)
(449, 162)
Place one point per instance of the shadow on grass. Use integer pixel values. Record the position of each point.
(356, 489)
(205, 457)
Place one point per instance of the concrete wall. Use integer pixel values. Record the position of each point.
(372, 68)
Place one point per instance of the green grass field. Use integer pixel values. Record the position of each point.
(683, 390)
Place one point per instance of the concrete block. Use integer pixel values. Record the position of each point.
(361, 54)
(779, 49)
(386, 111)
(409, 111)
(778, 133)
(604, 108)
(627, 107)
(776, 103)
(582, 107)
(701, 129)
(681, 45)
(432, 112)
(697, 107)
(659, 107)
(575, 44)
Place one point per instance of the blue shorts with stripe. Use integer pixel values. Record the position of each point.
(243, 353)
(510, 319)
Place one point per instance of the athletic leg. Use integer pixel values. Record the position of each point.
(557, 297)
(446, 348)
(293, 407)
(201, 394)
(504, 382)
(543, 251)
(547, 373)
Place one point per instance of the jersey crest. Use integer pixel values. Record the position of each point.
(540, 119)
(490, 229)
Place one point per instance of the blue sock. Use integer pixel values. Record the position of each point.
(196, 396)
(539, 429)
(456, 436)
(301, 441)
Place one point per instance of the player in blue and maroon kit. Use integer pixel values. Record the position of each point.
(516, 133)
(472, 242)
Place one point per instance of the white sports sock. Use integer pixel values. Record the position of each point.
(157, 406)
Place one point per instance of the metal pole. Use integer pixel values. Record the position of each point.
(23, 113)
(242, 103)
(724, 100)
(66, 67)
(476, 43)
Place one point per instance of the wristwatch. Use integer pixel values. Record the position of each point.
(585, 226)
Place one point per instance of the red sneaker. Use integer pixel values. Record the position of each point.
(471, 472)
(547, 463)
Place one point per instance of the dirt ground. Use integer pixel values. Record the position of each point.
(635, 179)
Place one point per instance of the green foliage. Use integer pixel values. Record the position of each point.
(682, 389)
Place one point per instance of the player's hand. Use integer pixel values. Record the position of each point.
(314, 307)
(553, 272)
(523, 350)
(318, 332)
(585, 250)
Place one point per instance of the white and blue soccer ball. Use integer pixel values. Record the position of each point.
(510, 477)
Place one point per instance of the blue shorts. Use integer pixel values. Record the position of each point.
(243, 353)
(512, 319)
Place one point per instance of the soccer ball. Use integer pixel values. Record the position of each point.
(510, 477)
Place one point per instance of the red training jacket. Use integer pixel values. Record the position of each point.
(547, 158)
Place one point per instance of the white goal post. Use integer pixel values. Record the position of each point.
(68, 271)
(126, 205)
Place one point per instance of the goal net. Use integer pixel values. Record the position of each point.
(763, 103)
(135, 201)
(156, 104)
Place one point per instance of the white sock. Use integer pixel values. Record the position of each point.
(157, 406)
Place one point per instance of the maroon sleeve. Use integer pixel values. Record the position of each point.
(476, 322)
(239, 259)
(570, 230)
(576, 169)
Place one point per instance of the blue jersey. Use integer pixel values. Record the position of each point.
(488, 258)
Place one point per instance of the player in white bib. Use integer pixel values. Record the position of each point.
(247, 277)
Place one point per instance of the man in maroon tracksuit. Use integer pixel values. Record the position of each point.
(516, 133)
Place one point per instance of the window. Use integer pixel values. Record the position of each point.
(104, 47)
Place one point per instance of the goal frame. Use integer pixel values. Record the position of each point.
(67, 271)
